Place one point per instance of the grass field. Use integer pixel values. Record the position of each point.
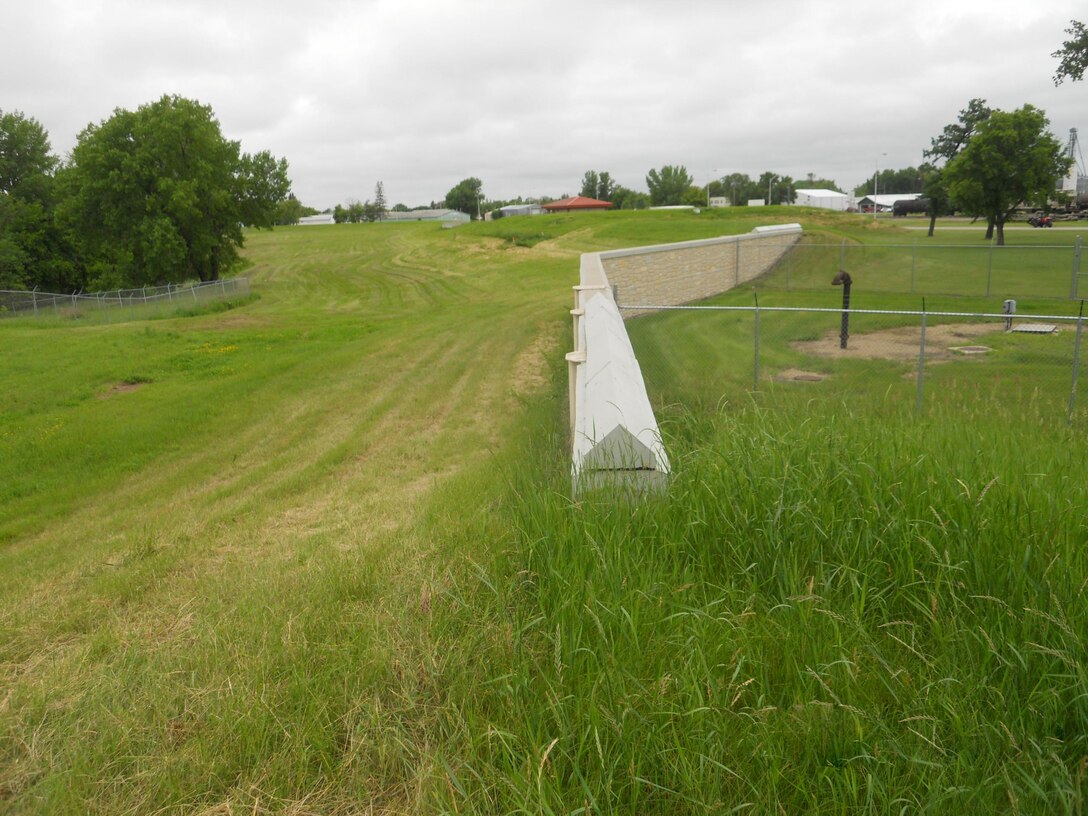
(315, 554)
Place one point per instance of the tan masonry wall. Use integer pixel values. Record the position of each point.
(673, 274)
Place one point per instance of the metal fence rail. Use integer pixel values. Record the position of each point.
(981, 270)
(138, 302)
(700, 355)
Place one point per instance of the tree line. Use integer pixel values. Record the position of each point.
(151, 196)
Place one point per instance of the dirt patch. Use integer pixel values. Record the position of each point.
(797, 375)
(900, 344)
(120, 388)
(531, 366)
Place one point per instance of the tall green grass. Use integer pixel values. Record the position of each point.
(323, 558)
(834, 613)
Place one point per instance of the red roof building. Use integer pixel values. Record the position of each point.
(577, 203)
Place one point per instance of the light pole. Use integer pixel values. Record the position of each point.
(709, 182)
(876, 180)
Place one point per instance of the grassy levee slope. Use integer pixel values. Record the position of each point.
(314, 554)
(210, 527)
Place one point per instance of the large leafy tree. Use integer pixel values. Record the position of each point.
(943, 149)
(1073, 54)
(1012, 158)
(739, 187)
(158, 194)
(624, 198)
(600, 186)
(668, 185)
(466, 196)
(892, 180)
(33, 251)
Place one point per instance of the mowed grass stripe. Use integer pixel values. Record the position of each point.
(335, 568)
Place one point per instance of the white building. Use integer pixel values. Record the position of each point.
(827, 199)
(885, 201)
(320, 218)
(521, 209)
(427, 215)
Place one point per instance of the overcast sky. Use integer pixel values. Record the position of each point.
(528, 96)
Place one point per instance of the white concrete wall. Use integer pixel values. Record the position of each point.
(673, 274)
(614, 435)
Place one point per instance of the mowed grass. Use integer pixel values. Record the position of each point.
(316, 554)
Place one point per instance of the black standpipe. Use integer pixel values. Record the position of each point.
(843, 280)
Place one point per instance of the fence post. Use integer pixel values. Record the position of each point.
(921, 360)
(1076, 269)
(736, 262)
(990, 267)
(789, 264)
(756, 366)
(34, 295)
(1076, 361)
(842, 254)
(913, 262)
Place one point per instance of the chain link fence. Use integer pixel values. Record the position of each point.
(697, 358)
(119, 304)
(977, 270)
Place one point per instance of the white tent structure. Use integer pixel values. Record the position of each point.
(885, 201)
(827, 199)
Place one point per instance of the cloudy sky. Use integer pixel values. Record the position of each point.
(528, 96)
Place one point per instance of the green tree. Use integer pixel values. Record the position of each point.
(589, 184)
(624, 198)
(812, 183)
(1012, 158)
(773, 188)
(892, 180)
(158, 194)
(694, 196)
(26, 158)
(1073, 54)
(944, 148)
(739, 187)
(290, 211)
(34, 251)
(668, 185)
(466, 196)
(379, 201)
(260, 184)
(596, 185)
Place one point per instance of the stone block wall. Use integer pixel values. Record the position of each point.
(674, 274)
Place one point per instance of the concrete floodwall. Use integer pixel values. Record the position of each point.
(672, 274)
(614, 434)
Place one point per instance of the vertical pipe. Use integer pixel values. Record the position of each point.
(1076, 362)
(756, 366)
(921, 360)
(844, 328)
(1076, 269)
(913, 264)
(736, 262)
(990, 268)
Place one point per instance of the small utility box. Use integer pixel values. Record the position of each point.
(1008, 308)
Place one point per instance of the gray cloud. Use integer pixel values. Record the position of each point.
(527, 96)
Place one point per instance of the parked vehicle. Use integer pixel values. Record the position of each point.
(1040, 220)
